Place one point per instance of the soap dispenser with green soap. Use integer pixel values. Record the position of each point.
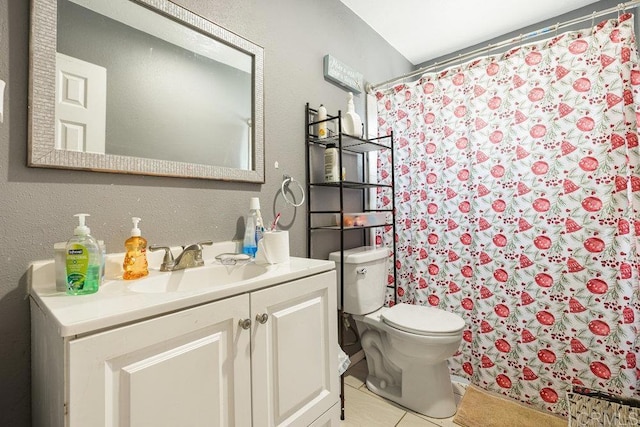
(83, 260)
(135, 263)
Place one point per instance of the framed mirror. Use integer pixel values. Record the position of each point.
(143, 87)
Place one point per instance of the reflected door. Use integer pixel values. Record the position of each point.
(81, 105)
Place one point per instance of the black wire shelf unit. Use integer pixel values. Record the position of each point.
(358, 188)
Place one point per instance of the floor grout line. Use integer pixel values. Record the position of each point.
(405, 419)
(401, 418)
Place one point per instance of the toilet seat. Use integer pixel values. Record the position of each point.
(422, 320)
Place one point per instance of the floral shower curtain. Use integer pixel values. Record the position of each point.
(518, 197)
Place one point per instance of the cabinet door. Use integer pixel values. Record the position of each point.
(331, 418)
(294, 357)
(189, 368)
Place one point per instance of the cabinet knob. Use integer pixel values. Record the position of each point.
(245, 323)
(262, 318)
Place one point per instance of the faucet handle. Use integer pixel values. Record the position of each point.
(168, 261)
(198, 257)
(198, 245)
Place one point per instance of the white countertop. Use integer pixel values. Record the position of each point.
(116, 303)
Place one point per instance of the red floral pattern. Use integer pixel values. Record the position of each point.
(517, 190)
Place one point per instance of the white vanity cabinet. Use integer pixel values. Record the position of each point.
(189, 368)
(267, 357)
(294, 353)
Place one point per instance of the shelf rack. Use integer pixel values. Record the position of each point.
(360, 147)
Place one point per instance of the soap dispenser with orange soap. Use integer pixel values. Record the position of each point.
(135, 260)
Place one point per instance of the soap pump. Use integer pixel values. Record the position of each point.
(135, 260)
(352, 125)
(83, 260)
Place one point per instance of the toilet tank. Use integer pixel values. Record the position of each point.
(365, 278)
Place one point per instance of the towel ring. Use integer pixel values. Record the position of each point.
(285, 186)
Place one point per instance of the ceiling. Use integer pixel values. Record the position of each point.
(426, 29)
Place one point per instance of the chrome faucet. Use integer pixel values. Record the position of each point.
(191, 256)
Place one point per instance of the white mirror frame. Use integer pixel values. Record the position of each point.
(42, 151)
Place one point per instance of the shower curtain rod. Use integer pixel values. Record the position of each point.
(462, 57)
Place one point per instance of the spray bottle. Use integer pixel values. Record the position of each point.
(253, 228)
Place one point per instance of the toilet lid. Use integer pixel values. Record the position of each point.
(422, 320)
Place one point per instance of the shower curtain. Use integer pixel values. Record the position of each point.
(518, 197)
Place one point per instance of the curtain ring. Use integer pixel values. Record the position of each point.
(593, 21)
(286, 180)
(557, 28)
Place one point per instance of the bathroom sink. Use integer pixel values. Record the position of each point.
(208, 276)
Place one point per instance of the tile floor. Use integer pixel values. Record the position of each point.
(363, 408)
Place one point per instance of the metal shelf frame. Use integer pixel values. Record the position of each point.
(359, 146)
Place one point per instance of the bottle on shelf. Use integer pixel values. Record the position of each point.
(331, 170)
(352, 124)
(322, 127)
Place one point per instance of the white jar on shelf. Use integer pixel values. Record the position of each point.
(331, 169)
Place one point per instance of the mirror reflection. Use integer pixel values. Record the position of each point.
(133, 86)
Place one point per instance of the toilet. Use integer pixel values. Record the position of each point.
(406, 346)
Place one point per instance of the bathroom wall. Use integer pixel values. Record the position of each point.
(578, 13)
(36, 205)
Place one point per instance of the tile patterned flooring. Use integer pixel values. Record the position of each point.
(363, 408)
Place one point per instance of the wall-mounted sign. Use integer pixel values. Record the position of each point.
(343, 75)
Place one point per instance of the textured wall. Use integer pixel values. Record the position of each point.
(36, 205)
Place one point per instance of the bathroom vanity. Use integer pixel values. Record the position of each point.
(215, 345)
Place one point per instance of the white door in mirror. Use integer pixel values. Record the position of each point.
(81, 105)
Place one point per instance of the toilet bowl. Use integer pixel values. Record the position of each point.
(409, 365)
(406, 346)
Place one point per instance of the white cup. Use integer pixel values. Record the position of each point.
(273, 248)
